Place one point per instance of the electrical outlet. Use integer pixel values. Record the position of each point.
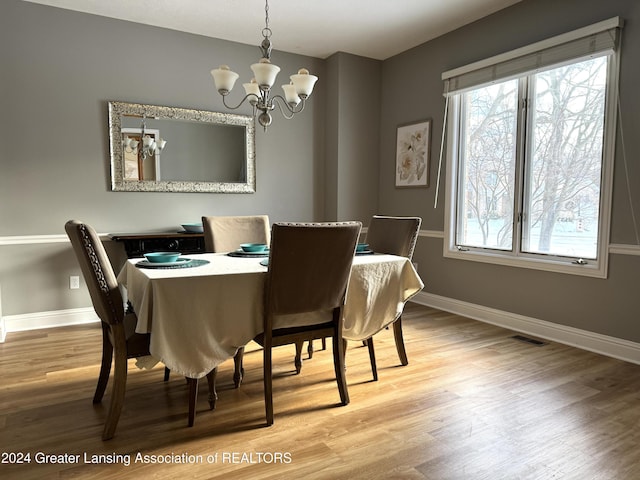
(74, 282)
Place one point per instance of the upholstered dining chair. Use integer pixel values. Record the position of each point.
(119, 338)
(308, 273)
(226, 233)
(395, 236)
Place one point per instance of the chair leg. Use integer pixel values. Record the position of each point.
(105, 366)
(268, 384)
(310, 348)
(193, 395)
(372, 358)
(167, 372)
(117, 393)
(238, 361)
(397, 335)
(339, 367)
(298, 360)
(213, 395)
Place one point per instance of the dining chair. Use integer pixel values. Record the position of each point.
(226, 233)
(119, 338)
(395, 236)
(308, 273)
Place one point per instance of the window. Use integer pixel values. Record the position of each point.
(530, 154)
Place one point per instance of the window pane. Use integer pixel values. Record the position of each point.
(565, 156)
(487, 166)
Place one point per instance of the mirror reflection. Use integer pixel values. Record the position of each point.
(169, 149)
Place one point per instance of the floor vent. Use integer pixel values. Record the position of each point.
(532, 341)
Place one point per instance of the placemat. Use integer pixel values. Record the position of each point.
(248, 254)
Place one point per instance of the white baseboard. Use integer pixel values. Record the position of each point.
(57, 318)
(593, 342)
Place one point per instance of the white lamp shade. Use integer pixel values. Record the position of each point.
(251, 88)
(304, 82)
(147, 141)
(290, 94)
(265, 73)
(224, 78)
(161, 143)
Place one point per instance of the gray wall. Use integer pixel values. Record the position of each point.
(58, 70)
(353, 133)
(608, 306)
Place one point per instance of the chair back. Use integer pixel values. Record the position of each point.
(309, 266)
(225, 234)
(393, 235)
(97, 271)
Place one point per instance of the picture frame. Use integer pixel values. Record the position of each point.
(413, 151)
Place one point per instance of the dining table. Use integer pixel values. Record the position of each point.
(201, 310)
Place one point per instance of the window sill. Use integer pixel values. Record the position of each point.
(592, 269)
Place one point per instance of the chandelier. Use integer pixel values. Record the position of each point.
(258, 91)
(150, 146)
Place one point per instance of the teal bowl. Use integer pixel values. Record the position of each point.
(162, 257)
(362, 247)
(253, 247)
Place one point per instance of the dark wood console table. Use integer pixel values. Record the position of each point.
(137, 244)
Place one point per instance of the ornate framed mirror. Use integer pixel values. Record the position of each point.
(170, 149)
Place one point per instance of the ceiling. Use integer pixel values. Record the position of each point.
(375, 29)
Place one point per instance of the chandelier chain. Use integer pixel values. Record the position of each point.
(266, 31)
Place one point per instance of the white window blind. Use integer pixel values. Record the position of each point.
(598, 39)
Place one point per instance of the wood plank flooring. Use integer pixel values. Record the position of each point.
(473, 403)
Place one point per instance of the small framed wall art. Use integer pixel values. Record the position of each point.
(413, 142)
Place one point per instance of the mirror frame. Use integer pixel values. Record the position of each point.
(118, 182)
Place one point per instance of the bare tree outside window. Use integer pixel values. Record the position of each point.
(485, 217)
(555, 185)
(563, 178)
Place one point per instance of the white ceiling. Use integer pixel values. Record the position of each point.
(376, 29)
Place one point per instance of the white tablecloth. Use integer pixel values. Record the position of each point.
(198, 317)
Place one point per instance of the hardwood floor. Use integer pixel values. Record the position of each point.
(473, 403)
